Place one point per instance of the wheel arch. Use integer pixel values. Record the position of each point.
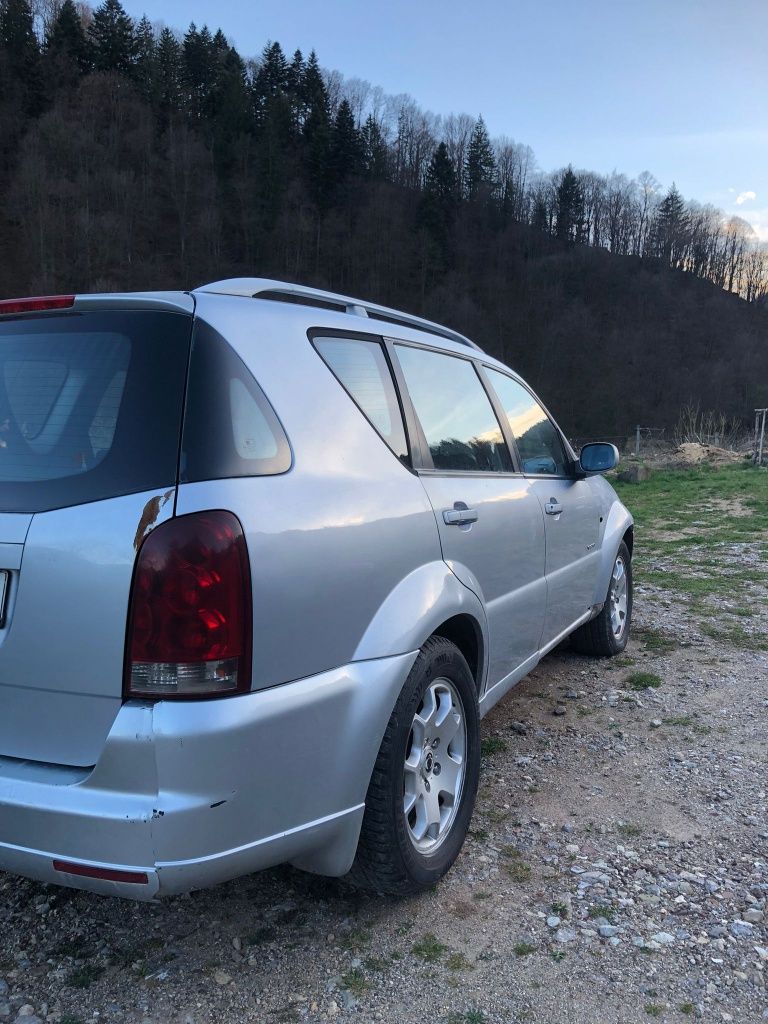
(465, 632)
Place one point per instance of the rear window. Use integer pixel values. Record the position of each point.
(90, 405)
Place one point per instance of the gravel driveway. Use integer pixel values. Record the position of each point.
(617, 868)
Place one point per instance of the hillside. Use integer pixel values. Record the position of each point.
(136, 159)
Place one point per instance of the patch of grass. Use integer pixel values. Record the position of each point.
(626, 828)
(560, 909)
(374, 963)
(737, 636)
(430, 949)
(683, 721)
(492, 745)
(654, 640)
(84, 976)
(687, 1008)
(473, 1016)
(524, 948)
(643, 681)
(558, 956)
(481, 895)
(653, 1009)
(355, 940)
(478, 834)
(602, 910)
(458, 962)
(405, 927)
(515, 867)
(742, 612)
(623, 661)
(354, 981)
(496, 816)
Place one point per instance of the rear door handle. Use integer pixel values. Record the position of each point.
(553, 508)
(459, 516)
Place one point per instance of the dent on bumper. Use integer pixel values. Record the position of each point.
(194, 793)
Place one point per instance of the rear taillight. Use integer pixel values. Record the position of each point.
(36, 303)
(189, 624)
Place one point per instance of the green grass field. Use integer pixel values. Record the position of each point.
(701, 534)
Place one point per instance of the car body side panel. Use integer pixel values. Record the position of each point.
(616, 520)
(332, 538)
(415, 608)
(573, 556)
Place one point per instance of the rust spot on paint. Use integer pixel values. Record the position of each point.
(149, 517)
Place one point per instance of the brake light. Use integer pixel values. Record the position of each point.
(36, 303)
(190, 620)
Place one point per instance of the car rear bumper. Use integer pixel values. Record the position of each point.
(188, 794)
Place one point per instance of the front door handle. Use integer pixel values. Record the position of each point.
(553, 508)
(459, 516)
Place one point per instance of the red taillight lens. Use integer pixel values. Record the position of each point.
(36, 303)
(189, 624)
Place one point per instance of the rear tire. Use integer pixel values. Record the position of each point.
(607, 634)
(422, 792)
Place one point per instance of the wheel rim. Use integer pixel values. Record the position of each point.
(434, 766)
(619, 598)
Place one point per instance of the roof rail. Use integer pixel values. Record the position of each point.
(282, 291)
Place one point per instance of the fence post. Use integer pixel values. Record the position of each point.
(762, 438)
(637, 441)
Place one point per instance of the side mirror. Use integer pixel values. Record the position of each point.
(598, 457)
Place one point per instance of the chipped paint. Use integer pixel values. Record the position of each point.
(149, 516)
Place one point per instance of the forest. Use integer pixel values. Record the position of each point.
(135, 156)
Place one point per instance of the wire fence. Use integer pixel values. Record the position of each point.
(640, 440)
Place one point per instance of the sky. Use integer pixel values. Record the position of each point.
(676, 87)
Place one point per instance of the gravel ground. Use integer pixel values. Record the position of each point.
(617, 869)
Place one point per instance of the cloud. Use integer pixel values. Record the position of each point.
(742, 197)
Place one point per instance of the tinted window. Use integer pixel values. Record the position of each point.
(455, 413)
(361, 367)
(538, 441)
(230, 429)
(90, 405)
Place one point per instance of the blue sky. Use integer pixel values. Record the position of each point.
(677, 87)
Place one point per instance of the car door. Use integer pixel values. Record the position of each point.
(490, 522)
(572, 519)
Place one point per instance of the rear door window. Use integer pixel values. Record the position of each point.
(455, 413)
(90, 405)
(361, 368)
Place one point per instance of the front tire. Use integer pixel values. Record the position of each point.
(607, 634)
(424, 784)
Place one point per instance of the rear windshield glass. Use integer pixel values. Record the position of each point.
(90, 406)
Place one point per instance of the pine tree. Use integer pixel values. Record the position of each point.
(146, 59)
(570, 208)
(200, 67)
(670, 228)
(230, 108)
(271, 80)
(346, 158)
(169, 64)
(481, 172)
(316, 131)
(375, 152)
(23, 86)
(437, 210)
(114, 42)
(66, 45)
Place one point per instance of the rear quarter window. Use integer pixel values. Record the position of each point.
(230, 428)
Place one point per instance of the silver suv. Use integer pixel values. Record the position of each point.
(267, 555)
